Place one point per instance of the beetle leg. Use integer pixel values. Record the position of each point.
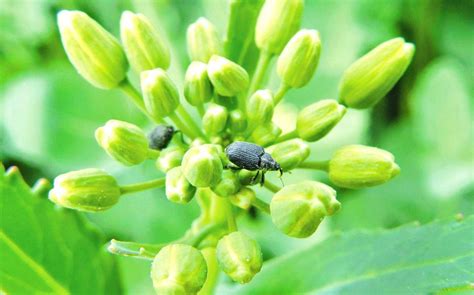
(255, 177)
(231, 167)
(262, 181)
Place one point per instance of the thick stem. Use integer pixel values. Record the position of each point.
(280, 93)
(261, 205)
(212, 271)
(190, 122)
(260, 70)
(182, 126)
(316, 165)
(271, 187)
(230, 217)
(135, 96)
(137, 187)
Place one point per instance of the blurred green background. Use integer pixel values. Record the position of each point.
(49, 113)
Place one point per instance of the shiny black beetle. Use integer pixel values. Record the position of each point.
(160, 137)
(249, 156)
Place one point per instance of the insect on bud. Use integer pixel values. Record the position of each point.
(228, 185)
(358, 166)
(178, 269)
(239, 256)
(243, 198)
(277, 22)
(372, 76)
(170, 158)
(266, 134)
(178, 188)
(203, 41)
(299, 60)
(159, 93)
(160, 137)
(123, 141)
(202, 165)
(316, 120)
(237, 122)
(227, 77)
(289, 154)
(260, 108)
(94, 52)
(143, 44)
(298, 209)
(89, 190)
(197, 87)
(215, 119)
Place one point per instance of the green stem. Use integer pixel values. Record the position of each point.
(261, 205)
(271, 187)
(201, 110)
(131, 92)
(262, 66)
(230, 217)
(291, 135)
(181, 126)
(280, 93)
(317, 165)
(190, 122)
(212, 271)
(138, 250)
(203, 233)
(137, 187)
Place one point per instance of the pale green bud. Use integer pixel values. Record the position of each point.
(239, 256)
(243, 198)
(214, 120)
(260, 108)
(197, 86)
(266, 134)
(298, 209)
(316, 120)
(299, 60)
(277, 22)
(203, 41)
(159, 93)
(94, 52)
(123, 141)
(227, 77)
(143, 44)
(169, 158)
(178, 188)
(372, 76)
(358, 166)
(289, 154)
(202, 165)
(237, 122)
(178, 269)
(228, 185)
(89, 190)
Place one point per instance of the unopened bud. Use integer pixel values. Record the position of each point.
(299, 60)
(123, 141)
(372, 76)
(227, 77)
(277, 22)
(178, 188)
(260, 108)
(358, 166)
(159, 93)
(202, 165)
(247, 177)
(228, 185)
(316, 120)
(215, 119)
(89, 190)
(94, 52)
(266, 134)
(243, 198)
(289, 154)
(237, 122)
(239, 256)
(143, 44)
(203, 41)
(298, 209)
(197, 86)
(170, 158)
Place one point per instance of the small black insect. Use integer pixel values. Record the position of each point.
(160, 137)
(249, 156)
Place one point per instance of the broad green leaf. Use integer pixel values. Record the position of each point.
(411, 259)
(44, 249)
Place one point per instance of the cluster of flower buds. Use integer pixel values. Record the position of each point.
(232, 107)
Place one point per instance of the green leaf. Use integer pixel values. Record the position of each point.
(407, 260)
(44, 249)
(239, 43)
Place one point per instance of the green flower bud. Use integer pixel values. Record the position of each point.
(203, 41)
(215, 119)
(358, 166)
(265, 134)
(89, 190)
(243, 198)
(372, 76)
(239, 256)
(289, 154)
(159, 93)
(277, 22)
(228, 78)
(298, 61)
(169, 158)
(93, 51)
(143, 44)
(178, 188)
(247, 177)
(123, 141)
(202, 165)
(197, 86)
(237, 122)
(228, 185)
(260, 108)
(298, 209)
(316, 120)
(178, 269)
(228, 102)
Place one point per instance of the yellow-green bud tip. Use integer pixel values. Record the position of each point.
(169, 158)
(228, 78)
(159, 93)
(197, 87)
(289, 154)
(202, 165)
(215, 119)
(260, 108)
(203, 41)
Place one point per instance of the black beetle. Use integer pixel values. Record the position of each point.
(249, 156)
(160, 137)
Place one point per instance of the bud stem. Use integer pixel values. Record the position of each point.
(262, 66)
(181, 126)
(291, 135)
(261, 205)
(230, 217)
(280, 93)
(317, 165)
(137, 187)
(138, 250)
(191, 124)
(203, 233)
(131, 92)
(271, 187)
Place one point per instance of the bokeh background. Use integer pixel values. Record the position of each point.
(49, 113)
